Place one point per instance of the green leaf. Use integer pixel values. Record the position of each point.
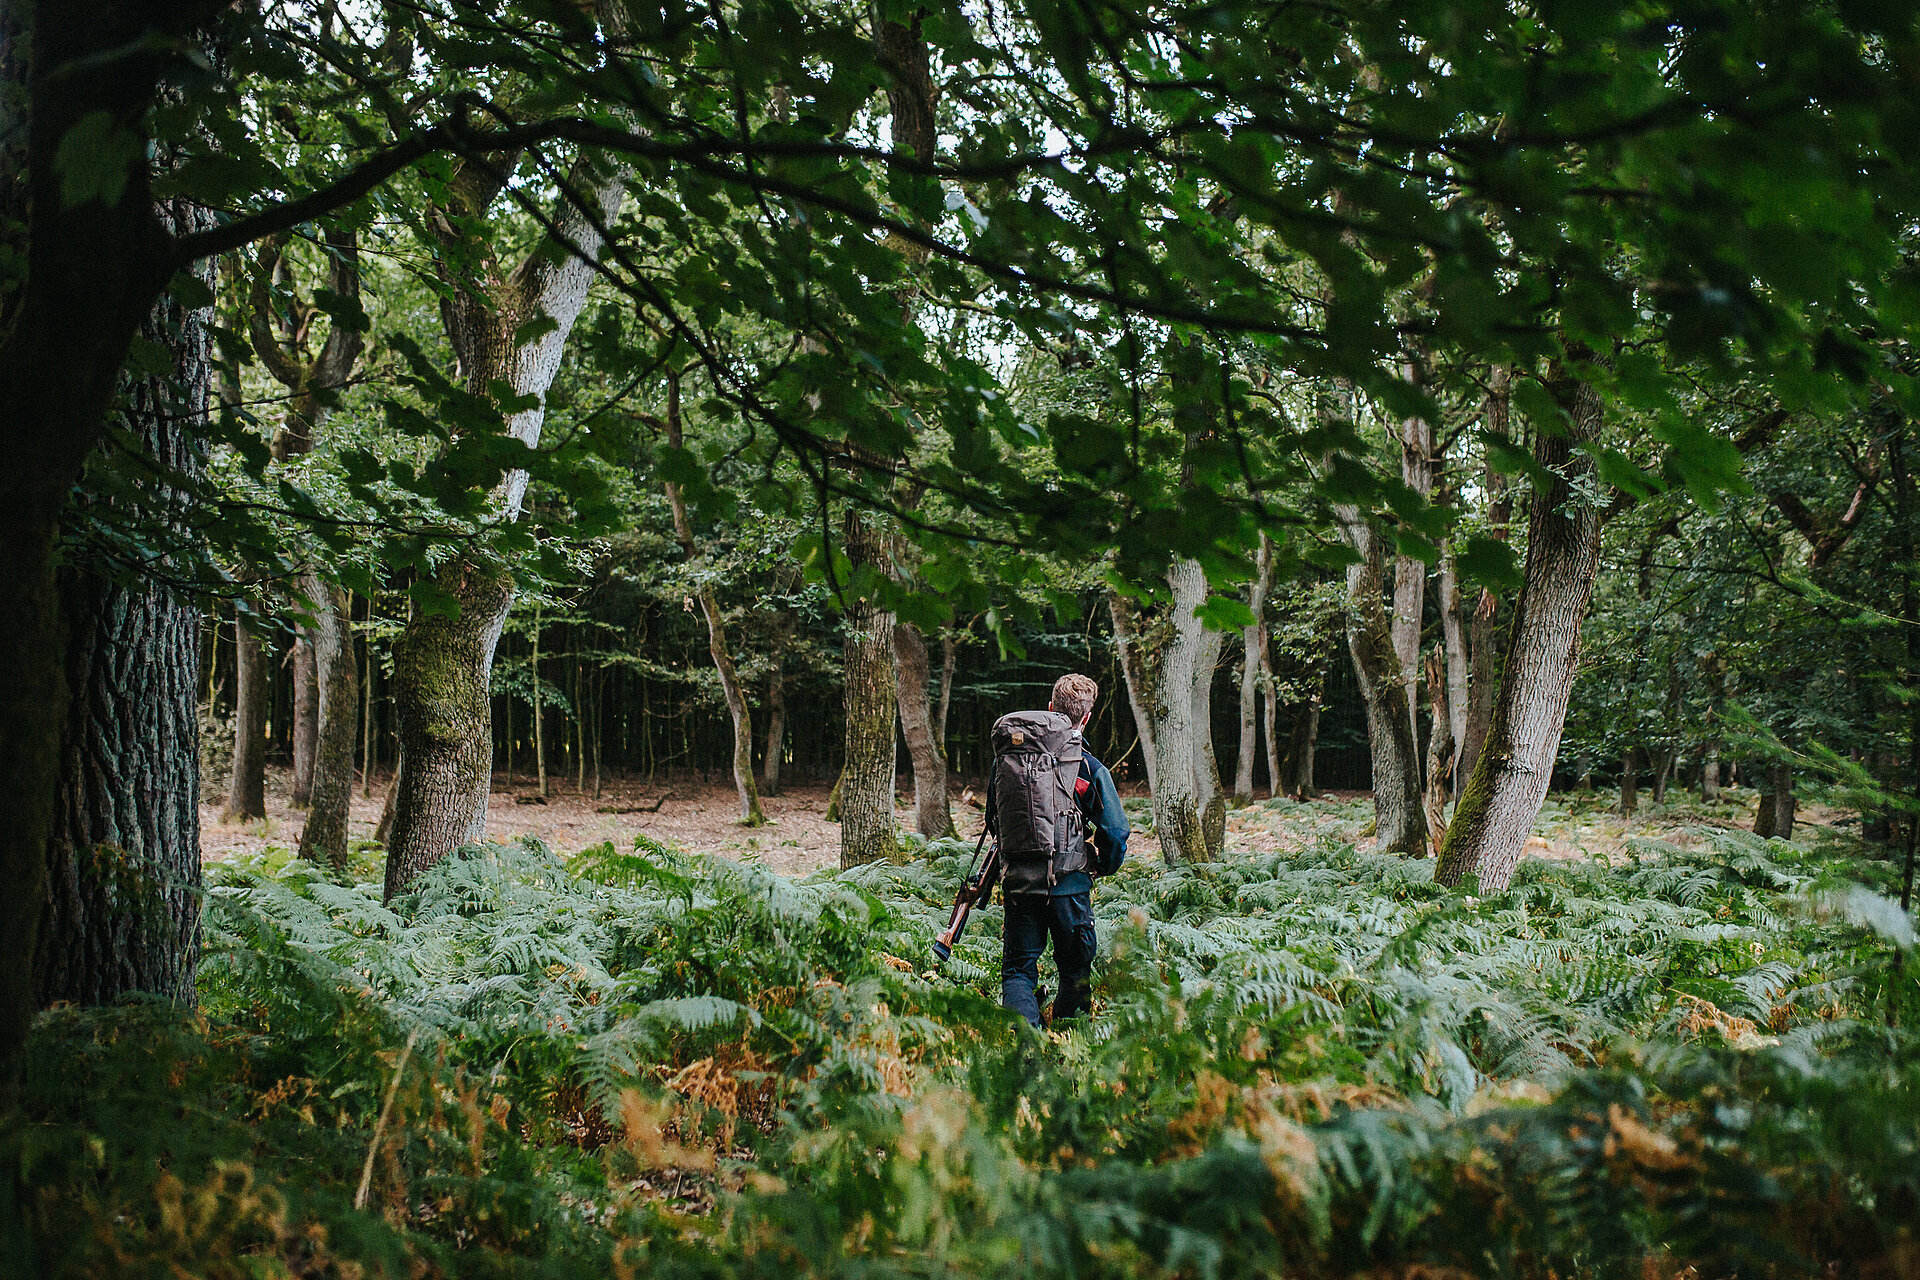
(94, 160)
(1489, 562)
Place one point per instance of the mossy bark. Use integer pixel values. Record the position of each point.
(324, 837)
(1498, 806)
(866, 783)
(507, 329)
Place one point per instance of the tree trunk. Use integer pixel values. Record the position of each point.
(306, 715)
(776, 720)
(1303, 740)
(366, 722)
(1710, 772)
(1629, 782)
(443, 664)
(121, 911)
(949, 655)
(1253, 642)
(1484, 634)
(1270, 717)
(1417, 472)
(247, 789)
(1777, 799)
(539, 720)
(1499, 804)
(932, 816)
(1178, 798)
(1397, 801)
(1453, 634)
(866, 782)
(1439, 753)
(1134, 670)
(324, 838)
(1212, 796)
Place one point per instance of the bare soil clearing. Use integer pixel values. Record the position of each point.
(799, 840)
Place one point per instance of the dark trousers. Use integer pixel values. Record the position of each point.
(1068, 920)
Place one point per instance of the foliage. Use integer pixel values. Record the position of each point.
(1317, 1062)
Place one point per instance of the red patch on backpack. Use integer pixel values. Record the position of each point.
(1081, 786)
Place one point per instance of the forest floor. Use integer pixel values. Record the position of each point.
(799, 839)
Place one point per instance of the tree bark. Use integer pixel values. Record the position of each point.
(1253, 642)
(1212, 796)
(1439, 753)
(92, 273)
(247, 789)
(1179, 798)
(1397, 801)
(443, 664)
(1629, 782)
(324, 837)
(539, 720)
(1499, 804)
(1270, 717)
(776, 712)
(866, 783)
(1134, 670)
(122, 906)
(932, 816)
(1485, 638)
(306, 715)
(1459, 679)
(1303, 740)
(1417, 472)
(949, 656)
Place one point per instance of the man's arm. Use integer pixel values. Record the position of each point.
(1106, 819)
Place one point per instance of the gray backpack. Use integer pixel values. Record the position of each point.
(1041, 832)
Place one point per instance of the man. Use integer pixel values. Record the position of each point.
(1061, 911)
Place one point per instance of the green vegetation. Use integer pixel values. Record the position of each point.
(1318, 1062)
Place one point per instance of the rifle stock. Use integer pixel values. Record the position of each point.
(971, 891)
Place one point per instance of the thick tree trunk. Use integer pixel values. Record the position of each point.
(932, 816)
(1253, 643)
(441, 698)
(1135, 671)
(1629, 782)
(1178, 800)
(1778, 806)
(1499, 804)
(1710, 772)
(92, 273)
(306, 715)
(247, 789)
(866, 783)
(443, 665)
(122, 907)
(324, 838)
(1396, 766)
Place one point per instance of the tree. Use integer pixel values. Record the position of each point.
(1496, 810)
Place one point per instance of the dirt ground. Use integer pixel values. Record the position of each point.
(799, 840)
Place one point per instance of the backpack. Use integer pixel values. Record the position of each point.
(1037, 822)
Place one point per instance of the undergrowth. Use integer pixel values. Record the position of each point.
(1316, 1063)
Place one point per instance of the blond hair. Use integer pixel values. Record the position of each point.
(1073, 696)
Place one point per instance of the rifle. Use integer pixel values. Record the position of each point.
(972, 890)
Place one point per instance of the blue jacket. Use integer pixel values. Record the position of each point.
(1099, 802)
